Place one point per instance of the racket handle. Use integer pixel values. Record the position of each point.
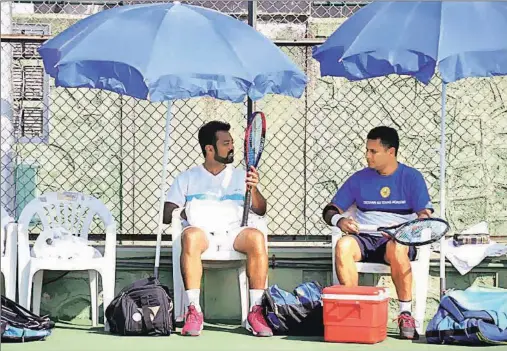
(246, 208)
(368, 228)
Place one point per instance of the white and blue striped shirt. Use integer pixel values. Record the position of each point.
(212, 202)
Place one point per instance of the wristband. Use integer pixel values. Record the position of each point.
(336, 218)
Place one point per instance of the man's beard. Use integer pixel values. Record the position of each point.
(225, 160)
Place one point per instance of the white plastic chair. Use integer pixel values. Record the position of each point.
(9, 253)
(210, 259)
(420, 272)
(75, 212)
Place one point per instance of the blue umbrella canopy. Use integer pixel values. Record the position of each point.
(464, 39)
(167, 51)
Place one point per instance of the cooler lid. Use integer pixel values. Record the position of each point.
(359, 290)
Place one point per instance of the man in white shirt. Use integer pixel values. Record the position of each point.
(212, 195)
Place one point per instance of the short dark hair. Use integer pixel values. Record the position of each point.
(208, 133)
(388, 137)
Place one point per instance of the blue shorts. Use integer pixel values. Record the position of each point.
(373, 248)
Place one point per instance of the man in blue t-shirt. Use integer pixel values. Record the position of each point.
(384, 194)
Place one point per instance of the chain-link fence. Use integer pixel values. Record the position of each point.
(111, 146)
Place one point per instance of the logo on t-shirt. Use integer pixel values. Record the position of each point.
(385, 192)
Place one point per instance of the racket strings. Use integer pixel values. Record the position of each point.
(254, 142)
(421, 232)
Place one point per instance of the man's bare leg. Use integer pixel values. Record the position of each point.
(193, 244)
(401, 273)
(252, 243)
(347, 253)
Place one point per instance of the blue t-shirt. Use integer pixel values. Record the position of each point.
(384, 200)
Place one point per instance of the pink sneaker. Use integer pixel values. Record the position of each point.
(257, 324)
(193, 322)
(407, 326)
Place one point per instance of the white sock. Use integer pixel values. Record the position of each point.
(256, 297)
(405, 306)
(193, 298)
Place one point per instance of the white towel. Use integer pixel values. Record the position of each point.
(59, 243)
(466, 257)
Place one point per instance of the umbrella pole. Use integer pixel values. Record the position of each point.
(442, 189)
(163, 186)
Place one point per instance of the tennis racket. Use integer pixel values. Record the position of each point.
(418, 232)
(254, 144)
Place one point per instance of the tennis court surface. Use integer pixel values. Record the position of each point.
(215, 337)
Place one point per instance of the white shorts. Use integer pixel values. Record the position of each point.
(223, 241)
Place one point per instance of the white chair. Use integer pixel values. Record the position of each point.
(74, 212)
(420, 272)
(210, 259)
(9, 253)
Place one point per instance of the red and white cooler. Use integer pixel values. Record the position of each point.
(355, 315)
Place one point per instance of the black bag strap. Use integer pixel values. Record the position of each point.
(147, 315)
(442, 335)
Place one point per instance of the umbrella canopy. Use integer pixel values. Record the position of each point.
(167, 51)
(465, 39)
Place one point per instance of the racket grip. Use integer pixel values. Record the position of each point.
(246, 208)
(368, 228)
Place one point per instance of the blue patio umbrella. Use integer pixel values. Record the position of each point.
(462, 39)
(167, 51)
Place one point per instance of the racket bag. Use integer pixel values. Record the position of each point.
(294, 313)
(142, 308)
(20, 325)
(483, 325)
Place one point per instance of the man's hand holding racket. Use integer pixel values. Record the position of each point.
(255, 135)
(252, 178)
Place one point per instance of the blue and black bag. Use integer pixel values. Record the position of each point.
(296, 313)
(20, 325)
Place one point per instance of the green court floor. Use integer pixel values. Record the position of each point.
(217, 337)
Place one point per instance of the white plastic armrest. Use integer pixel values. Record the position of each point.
(176, 224)
(335, 231)
(425, 251)
(424, 254)
(11, 242)
(23, 246)
(110, 246)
